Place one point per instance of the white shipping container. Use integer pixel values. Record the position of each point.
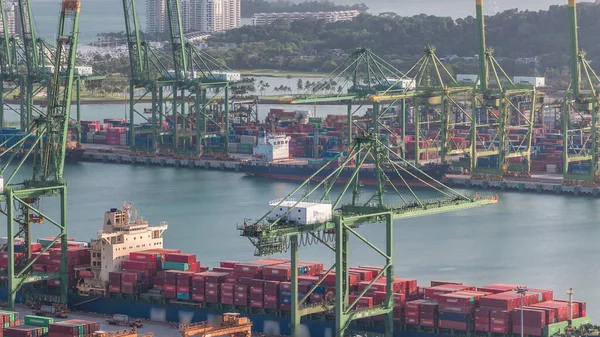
(248, 140)
(529, 80)
(469, 78)
(304, 213)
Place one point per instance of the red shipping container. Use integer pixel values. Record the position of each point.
(181, 258)
(37, 268)
(441, 283)
(482, 327)
(364, 274)
(532, 317)
(197, 297)
(411, 320)
(227, 299)
(364, 302)
(143, 256)
(547, 295)
(228, 264)
(561, 309)
(427, 315)
(223, 270)
(183, 289)
(138, 265)
(114, 289)
(432, 293)
(528, 331)
(498, 288)
(507, 300)
(428, 322)
(211, 286)
(247, 268)
(576, 309)
(482, 315)
(170, 288)
(462, 326)
(499, 328)
(241, 301)
(211, 299)
(256, 304)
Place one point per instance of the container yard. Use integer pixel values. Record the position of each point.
(497, 132)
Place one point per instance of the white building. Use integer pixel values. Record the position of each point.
(303, 213)
(268, 18)
(156, 16)
(530, 80)
(10, 9)
(218, 15)
(196, 15)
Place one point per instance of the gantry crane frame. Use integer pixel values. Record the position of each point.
(49, 130)
(580, 101)
(506, 100)
(277, 236)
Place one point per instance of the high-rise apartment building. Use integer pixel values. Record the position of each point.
(196, 15)
(12, 18)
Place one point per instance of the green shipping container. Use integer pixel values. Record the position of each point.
(175, 266)
(38, 320)
(553, 329)
(315, 120)
(577, 322)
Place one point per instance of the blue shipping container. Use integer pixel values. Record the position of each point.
(183, 296)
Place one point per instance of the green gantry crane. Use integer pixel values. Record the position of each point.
(48, 132)
(500, 107)
(148, 72)
(580, 135)
(368, 158)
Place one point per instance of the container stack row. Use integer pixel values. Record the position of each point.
(38, 326)
(167, 268)
(73, 327)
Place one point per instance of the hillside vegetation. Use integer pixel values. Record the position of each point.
(512, 34)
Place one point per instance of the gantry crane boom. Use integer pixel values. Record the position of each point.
(7, 67)
(134, 43)
(48, 132)
(178, 44)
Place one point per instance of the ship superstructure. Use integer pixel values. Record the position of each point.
(122, 233)
(272, 147)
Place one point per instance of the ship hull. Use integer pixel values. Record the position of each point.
(262, 323)
(413, 177)
(71, 156)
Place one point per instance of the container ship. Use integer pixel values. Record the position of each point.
(126, 270)
(270, 160)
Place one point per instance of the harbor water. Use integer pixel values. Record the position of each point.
(541, 241)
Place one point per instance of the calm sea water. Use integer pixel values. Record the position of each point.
(107, 15)
(541, 241)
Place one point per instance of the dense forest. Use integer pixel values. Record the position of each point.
(512, 34)
(250, 7)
